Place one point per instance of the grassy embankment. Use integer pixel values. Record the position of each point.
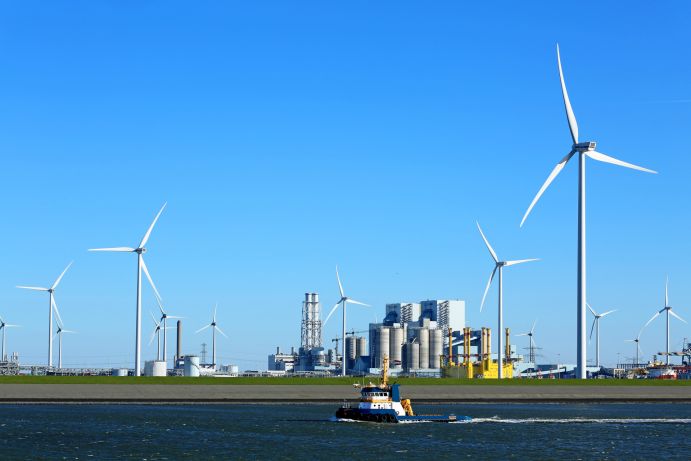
(331, 381)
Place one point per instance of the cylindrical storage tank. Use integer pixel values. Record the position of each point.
(395, 346)
(435, 348)
(159, 368)
(350, 347)
(234, 370)
(361, 346)
(423, 339)
(191, 366)
(119, 372)
(413, 356)
(383, 345)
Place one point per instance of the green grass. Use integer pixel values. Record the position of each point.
(330, 381)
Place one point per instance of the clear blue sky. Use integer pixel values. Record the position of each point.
(294, 136)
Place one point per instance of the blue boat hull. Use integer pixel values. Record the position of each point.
(390, 416)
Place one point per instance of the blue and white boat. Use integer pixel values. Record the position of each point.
(382, 403)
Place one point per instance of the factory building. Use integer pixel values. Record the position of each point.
(414, 335)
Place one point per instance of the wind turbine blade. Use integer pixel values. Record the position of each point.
(608, 312)
(215, 309)
(332, 311)
(591, 309)
(33, 288)
(651, 319)
(489, 247)
(491, 277)
(153, 335)
(123, 249)
(160, 306)
(175, 317)
(219, 330)
(151, 227)
(69, 331)
(667, 292)
(630, 340)
(55, 285)
(520, 261)
(154, 318)
(57, 312)
(675, 315)
(202, 329)
(340, 287)
(557, 169)
(148, 276)
(523, 334)
(573, 126)
(600, 157)
(533, 328)
(592, 328)
(352, 301)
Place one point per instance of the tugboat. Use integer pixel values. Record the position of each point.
(382, 403)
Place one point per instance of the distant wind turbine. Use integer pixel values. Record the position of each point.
(214, 328)
(531, 349)
(141, 265)
(498, 266)
(59, 333)
(164, 320)
(3, 326)
(52, 305)
(343, 302)
(637, 340)
(669, 310)
(584, 149)
(596, 326)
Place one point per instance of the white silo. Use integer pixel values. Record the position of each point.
(423, 339)
(436, 347)
(396, 346)
(413, 356)
(191, 367)
(361, 347)
(383, 345)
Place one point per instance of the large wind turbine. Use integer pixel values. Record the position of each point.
(52, 305)
(531, 350)
(669, 310)
(214, 328)
(344, 301)
(583, 149)
(498, 266)
(4, 325)
(164, 320)
(596, 326)
(141, 265)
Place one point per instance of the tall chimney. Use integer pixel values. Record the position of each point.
(178, 352)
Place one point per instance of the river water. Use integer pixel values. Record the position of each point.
(300, 431)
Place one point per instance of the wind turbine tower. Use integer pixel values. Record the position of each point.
(3, 326)
(141, 266)
(596, 326)
(343, 302)
(669, 311)
(583, 149)
(498, 267)
(51, 305)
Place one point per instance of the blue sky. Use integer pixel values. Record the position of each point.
(288, 138)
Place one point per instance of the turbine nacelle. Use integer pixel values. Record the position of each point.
(584, 146)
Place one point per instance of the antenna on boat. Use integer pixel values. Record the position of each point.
(385, 372)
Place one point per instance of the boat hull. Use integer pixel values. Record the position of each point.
(390, 416)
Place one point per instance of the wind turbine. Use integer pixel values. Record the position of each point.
(637, 340)
(343, 302)
(669, 310)
(141, 265)
(156, 334)
(531, 356)
(164, 320)
(52, 305)
(4, 325)
(596, 326)
(59, 333)
(214, 328)
(583, 149)
(498, 266)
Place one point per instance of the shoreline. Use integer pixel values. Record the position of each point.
(181, 394)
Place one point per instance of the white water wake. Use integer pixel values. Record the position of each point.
(498, 420)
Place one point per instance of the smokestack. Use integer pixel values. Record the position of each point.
(278, 350)
(178, 352)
